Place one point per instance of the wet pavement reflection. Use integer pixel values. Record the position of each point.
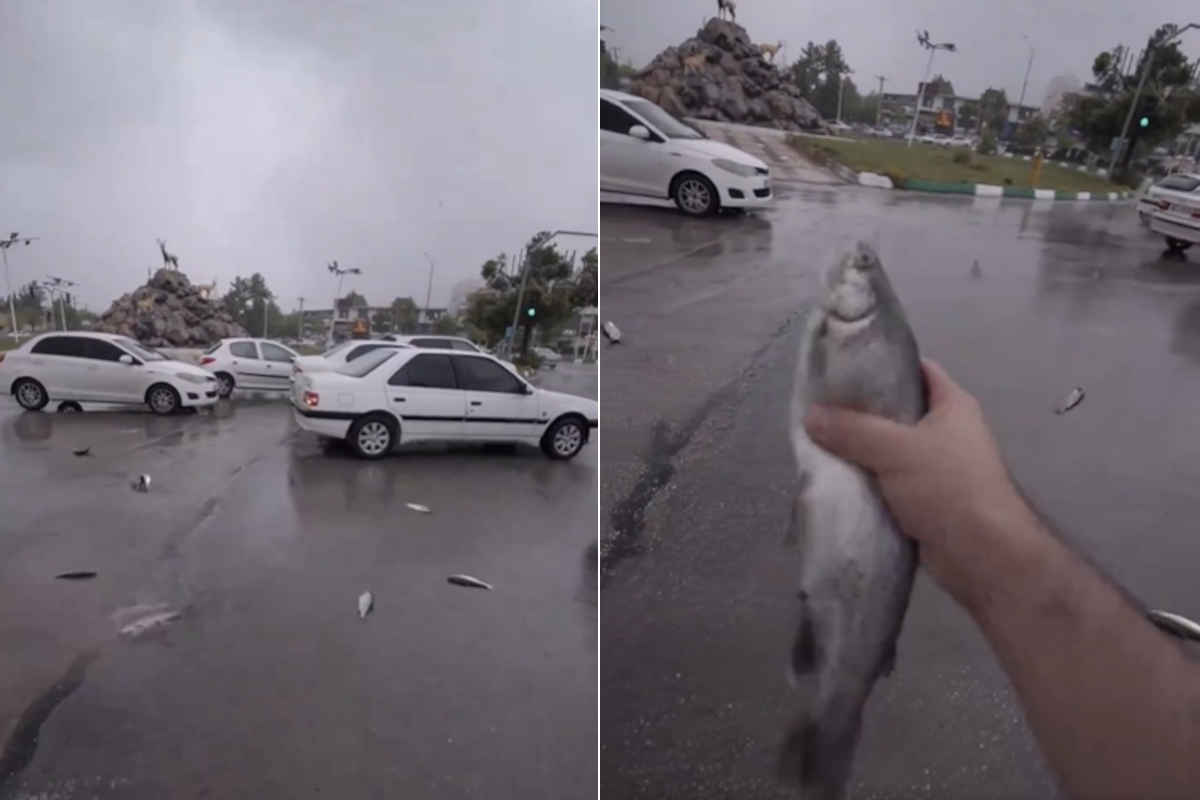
(256, 540)
(1021, 301)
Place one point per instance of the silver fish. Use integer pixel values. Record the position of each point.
(149, 623)
(141, 484)
(1175, 624)
(366, 601)
(857, 570)
(1073, 398)
(469, 582)
(611, 332)
(418, 507)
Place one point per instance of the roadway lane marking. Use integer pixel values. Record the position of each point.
(629, 276)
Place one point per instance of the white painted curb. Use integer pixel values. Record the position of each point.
(1043, 194)
(987, 190)
(874, 180)
(1083, 196)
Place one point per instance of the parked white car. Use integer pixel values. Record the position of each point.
(646, 151)
(1159, 195)
(1178, 219)
(102, 368)
(390, 397)
(548, 356)
(342, 354)
(250, 364)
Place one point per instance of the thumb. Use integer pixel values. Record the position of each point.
(871, 441)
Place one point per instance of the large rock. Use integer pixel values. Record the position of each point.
(732, 82)
(168, 311)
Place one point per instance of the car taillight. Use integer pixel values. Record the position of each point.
(207, 360)
(311, 399)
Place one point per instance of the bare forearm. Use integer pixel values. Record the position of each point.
(1114, 703)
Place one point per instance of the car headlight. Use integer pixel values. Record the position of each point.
(190, 378)
(745, 170)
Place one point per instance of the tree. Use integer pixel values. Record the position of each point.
(805, 73)
(446, 325)
(610, 73)
(993, 109)
(968, 115)
(350, 301)
(587, 281)
(1033, 132)
(404, 315)
(936, 87)
(249, 300)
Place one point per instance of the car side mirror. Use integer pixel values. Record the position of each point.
(528, 389)
(640, 132)
(126, 359)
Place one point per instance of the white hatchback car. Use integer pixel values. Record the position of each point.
(444, 343)
(250, 364)
(342, 354)
(646, 151)
(102, 368)
(389, 397)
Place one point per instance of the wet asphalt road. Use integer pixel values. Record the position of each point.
(698, 588)
(269, 685)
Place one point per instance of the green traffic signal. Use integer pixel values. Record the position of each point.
(1144, 122)
(532, 312)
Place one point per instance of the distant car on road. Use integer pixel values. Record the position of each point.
(250, 364)
(342, 354)
(1178, 219)
(1158, 196)
(81, 367)
(443, 343)
(645, 151)
(390, 397)
(548, 356)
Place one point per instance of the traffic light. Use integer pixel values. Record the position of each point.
(532, 312)
(1144, 122)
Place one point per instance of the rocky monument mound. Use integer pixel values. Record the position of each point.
(169, 311)
(719, 74)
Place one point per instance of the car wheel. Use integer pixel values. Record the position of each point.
(31, 394)
(162, 399)
(1177, 245)
(695, 195)
(224, 384)
(371, 436)
(69, 407)
(564, 439)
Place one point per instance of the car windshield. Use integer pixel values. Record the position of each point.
(337, 348)
(666, 124)
(366, 363)
(1180, 183)
(142, 352)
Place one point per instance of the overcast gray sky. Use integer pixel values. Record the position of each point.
(277, 135)
(879, 38)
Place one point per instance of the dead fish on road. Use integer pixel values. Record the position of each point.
(469, 582)
(419, 507)
(1175, 624)
(976, 270)
(366, 601)
(611, 332)
(82, 451)
(1073, 398)
(150, 623)
(857, 570)
(141, 483)
(79, 575)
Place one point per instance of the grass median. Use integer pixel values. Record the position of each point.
(932, 163)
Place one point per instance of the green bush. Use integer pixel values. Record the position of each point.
(987, 145)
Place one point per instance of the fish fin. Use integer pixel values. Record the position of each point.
(794, 536)
(818, 753)
(805, 649)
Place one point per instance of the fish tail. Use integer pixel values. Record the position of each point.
(819, 751)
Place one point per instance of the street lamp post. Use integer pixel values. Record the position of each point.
(341, 272)
(1141, 83)
(841, 86)
(4, 245)
(923, 40)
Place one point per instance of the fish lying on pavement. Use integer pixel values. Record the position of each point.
(418, 507)
(141, 483)
(78, 575)
(366, 601)
(469, 582)
(1175, 624)
(149, 623)
(857, 569)
(1073, 398)
(83, 451)
(612, 332)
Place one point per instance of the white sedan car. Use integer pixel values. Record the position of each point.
(645, 151)
(1178, 219)
(102, 368)
(443, 343)
(390, 397)
(1158, 196)
(342, 354)
(250, 364)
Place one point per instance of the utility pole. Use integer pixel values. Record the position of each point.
(300, 322)
(429, 291)
(4, 245)
(1024, 83)
(923, 40)
(879, 103)
(336, 269)
(55, 285)
(1124, 149)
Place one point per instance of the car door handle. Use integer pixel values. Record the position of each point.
(398, 399)
(476, 402)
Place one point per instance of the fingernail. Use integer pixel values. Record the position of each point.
(816, 422)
